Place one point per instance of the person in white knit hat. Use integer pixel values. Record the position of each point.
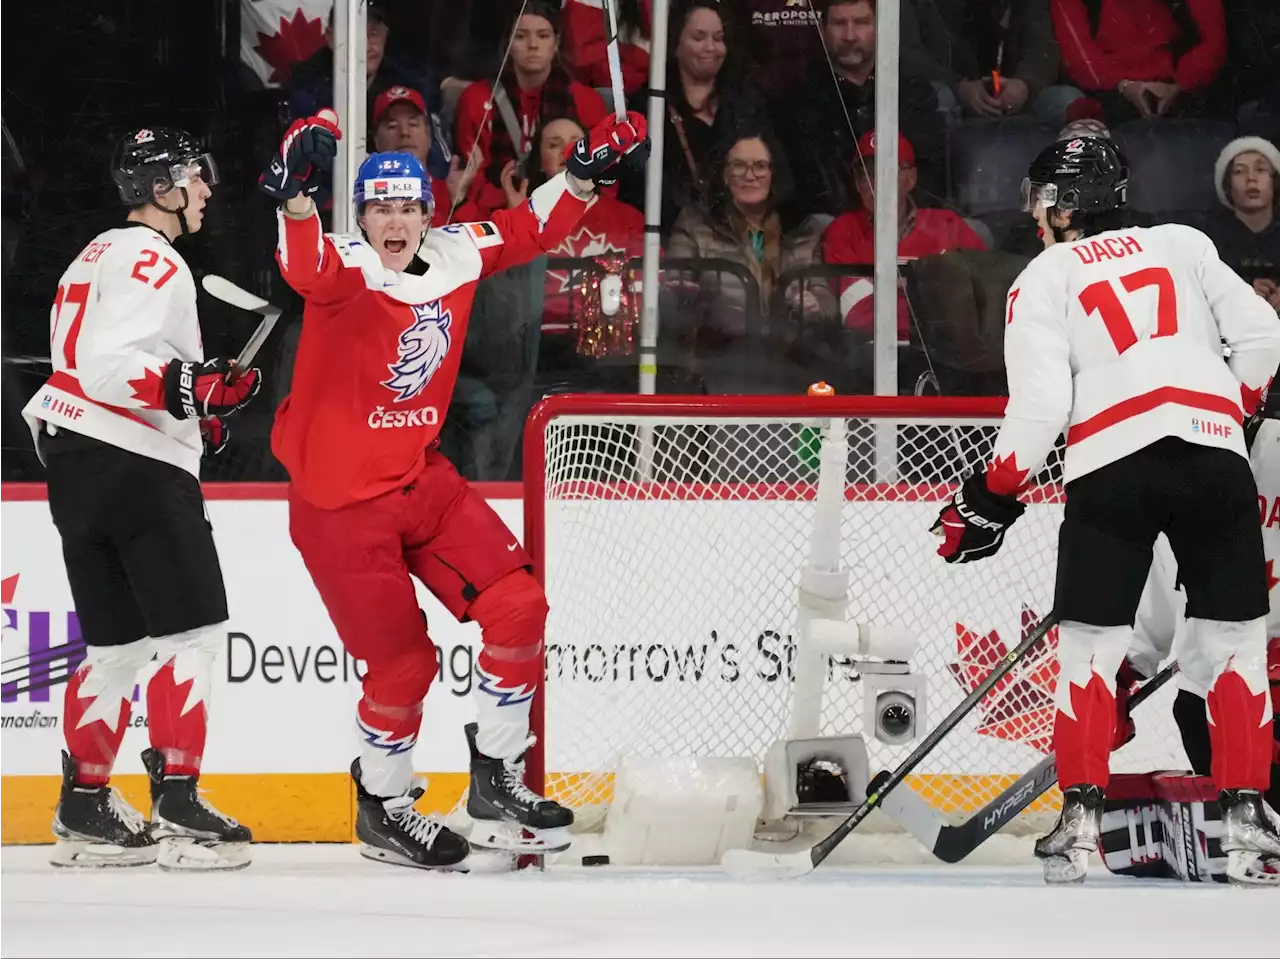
(1247, 232)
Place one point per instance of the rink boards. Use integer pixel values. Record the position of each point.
(281, 735)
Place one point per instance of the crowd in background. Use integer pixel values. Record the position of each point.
(767, 172)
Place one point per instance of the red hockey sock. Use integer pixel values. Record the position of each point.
(178, 723)
(93, 726)
(512, 615)
(1239, 734)
(1082, 744)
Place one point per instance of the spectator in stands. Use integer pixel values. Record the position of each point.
(534, 88)
(986, 58)
(1247, 231)
(744, 226)
(584, 42)
(1142, 58)
(921, 232)
(400, 122)
(783, 38)
(823, 118)
(608, 226)
(311, 83)
(707, 102)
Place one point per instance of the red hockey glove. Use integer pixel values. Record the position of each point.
(973, 524)
(1127, 680)
(303, 160)
(194, 389)
(609, 141)
(214, 435)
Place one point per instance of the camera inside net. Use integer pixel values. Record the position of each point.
(893, 705)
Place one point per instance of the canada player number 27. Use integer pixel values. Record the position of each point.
(1102, 298)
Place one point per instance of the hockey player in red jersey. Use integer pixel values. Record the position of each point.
(121, 426)
(371, 499)
(1116, 335)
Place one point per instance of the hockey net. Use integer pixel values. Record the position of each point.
(670, 534)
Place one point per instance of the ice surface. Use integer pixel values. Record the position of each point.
(325, 900)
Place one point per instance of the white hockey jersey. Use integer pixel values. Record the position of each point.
(124, 308)
(1160, 624)
(1118, 338)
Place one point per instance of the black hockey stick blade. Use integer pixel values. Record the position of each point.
(748, 863)
(952, 843)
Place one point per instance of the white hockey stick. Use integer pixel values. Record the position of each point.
(615, 61)
(226, 291)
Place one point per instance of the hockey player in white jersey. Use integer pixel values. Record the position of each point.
(1115, 335)
(120, 427)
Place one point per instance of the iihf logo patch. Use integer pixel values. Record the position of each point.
(422, 348)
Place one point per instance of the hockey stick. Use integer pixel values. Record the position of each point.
(226, 291)
(953, 843)
(615, 60)
(747, 863)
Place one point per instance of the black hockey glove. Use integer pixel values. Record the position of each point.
(303, 160)
(213, 388)
(609, 141)
(973, 525)
(214, 435)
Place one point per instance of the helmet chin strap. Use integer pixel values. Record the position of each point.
(182, 220)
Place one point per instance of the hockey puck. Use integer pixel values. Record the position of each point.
(595, 860)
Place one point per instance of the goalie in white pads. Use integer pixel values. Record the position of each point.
(121, 426)
(1116, 335)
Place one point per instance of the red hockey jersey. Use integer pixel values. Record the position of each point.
(379, 351)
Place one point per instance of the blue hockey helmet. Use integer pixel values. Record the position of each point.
(392, 176)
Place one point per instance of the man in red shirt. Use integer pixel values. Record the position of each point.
(372, 500)
(851, 236)
(401, 122)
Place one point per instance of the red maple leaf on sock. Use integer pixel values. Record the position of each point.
(1020, 707)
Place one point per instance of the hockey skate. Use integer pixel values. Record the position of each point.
(1250, 838)
(391, 830)
(95, 827)
(192, 834)
(508, 815)
(1065, 851)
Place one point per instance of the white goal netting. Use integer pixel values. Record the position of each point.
(672, 539)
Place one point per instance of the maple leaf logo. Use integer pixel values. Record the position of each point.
(584, 243)
(8, 587)
(148, 390)
(1020, 707)
(1003, 476)
(294, 41)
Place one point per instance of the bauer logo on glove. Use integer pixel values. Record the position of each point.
(973, 524)
(608, 142)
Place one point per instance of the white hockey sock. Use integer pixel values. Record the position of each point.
(388, 735)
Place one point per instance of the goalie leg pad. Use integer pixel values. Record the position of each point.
(512, 614)
(178, 697)
(1090, 657)
(97, 705)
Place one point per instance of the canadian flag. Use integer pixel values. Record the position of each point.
(276, 34)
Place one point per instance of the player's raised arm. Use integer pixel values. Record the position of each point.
(300, 166)
(518, 235)
(1246, 321)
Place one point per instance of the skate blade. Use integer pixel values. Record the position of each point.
(1067, 870)
(515, 838)
(393, 858)
(186, 854)
(1248, 868)
(87, 854)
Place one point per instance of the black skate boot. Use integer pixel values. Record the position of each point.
(191, 832)
(1065, 851)
(508, 814)
(95, 827)
(391, 830)
(1250, 838)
